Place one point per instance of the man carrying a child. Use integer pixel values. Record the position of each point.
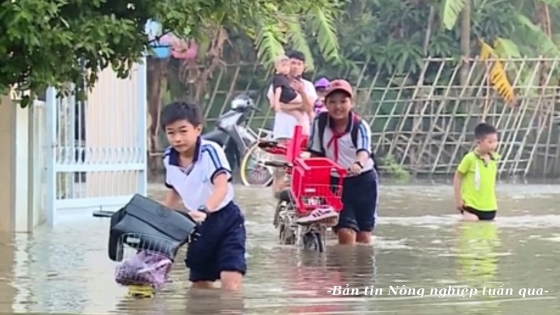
(297, 111)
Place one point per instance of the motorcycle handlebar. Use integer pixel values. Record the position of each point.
(255, 108)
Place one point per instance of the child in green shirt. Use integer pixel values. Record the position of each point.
(474, 184)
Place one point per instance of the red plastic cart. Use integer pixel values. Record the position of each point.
(310, 181)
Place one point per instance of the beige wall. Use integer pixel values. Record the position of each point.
(6, 164)
(21, 167)
(111, 134)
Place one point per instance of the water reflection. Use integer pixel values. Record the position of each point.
(477, 255)
(420, 243)
(223, 302)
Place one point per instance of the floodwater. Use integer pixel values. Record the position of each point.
(419, 244)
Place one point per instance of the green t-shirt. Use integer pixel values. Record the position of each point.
(478, 188)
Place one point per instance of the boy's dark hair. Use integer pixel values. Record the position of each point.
(483, 129)
(181, 111)
(296, 54)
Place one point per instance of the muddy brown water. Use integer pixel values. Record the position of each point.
(419, 244)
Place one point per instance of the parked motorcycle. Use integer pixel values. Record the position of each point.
(232, 133)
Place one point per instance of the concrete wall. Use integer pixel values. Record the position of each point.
(6, 164)
(21, 206)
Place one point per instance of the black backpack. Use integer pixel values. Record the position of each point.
(322, 120)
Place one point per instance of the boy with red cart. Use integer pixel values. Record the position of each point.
(340, 135)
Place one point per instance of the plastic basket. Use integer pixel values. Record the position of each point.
(147, 264)
(311, 184)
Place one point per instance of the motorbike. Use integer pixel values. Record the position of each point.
(231, 131)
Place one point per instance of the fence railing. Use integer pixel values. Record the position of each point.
(423, 119)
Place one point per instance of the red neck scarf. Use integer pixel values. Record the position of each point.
(337, 135)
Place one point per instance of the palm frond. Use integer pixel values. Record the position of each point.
(506, 48)
(323, 25)
(297, 38)
(269, 43)
(536, 37)
(449, 12)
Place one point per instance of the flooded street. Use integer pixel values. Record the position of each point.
(419, 243)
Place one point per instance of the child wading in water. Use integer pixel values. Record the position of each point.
(340, 135)
(198, 174)
(474, 184)
(284, 93)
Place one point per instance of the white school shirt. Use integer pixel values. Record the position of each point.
(195, 183)
(346, 150)
(284, 123)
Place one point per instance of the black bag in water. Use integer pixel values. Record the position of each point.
(147, 225)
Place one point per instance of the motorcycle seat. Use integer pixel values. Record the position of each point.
(217, 136)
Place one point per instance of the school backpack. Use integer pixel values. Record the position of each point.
(322, 120)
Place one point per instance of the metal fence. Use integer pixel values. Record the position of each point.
(95, 150)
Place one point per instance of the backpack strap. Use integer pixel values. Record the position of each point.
(322, 119)
(356, 121)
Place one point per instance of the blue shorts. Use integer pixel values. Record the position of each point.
(359, 196)
(220, 246)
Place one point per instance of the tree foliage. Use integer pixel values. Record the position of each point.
(52, 42)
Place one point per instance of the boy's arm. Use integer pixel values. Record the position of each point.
(220, 176)
(363, 143)
(314, 143)
(172, 198)
(462, 169)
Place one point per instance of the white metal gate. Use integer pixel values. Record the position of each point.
(95, 150)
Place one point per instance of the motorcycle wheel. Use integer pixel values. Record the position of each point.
(286, 235)
(251, 173)
(313, 241)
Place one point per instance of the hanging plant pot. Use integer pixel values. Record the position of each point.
(161, 50)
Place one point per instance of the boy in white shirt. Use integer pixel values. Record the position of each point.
(197, 172)
(340, 135)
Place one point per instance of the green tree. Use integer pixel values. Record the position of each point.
(526, 27)
(51, 42)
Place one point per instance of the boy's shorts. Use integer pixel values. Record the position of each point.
(359, 196)
(220, 246)
(482, 215)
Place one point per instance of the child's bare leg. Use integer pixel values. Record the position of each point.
(297, 100)
(346, 236)
(231, 280)
(467, 216)
(305, 124)
(203, 285)
(301, 120)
